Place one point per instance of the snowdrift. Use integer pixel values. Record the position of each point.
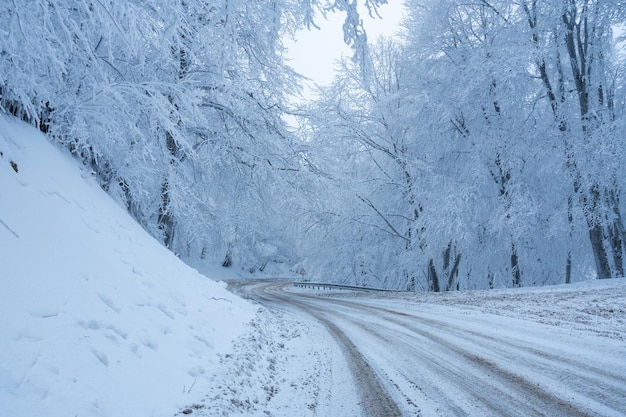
(96, 317)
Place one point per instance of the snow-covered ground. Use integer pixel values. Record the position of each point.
(555, 350)
(96, 317)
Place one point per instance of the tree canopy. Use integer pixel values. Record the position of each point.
(482, 148)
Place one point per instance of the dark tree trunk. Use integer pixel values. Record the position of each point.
(570, 220)
(515, 270)
(228, 260)
(617, 236)
(451, 272)
(433, 278)
(166, 221)
(599, 253)
(166, 218)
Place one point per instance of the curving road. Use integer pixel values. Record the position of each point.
(433, 360)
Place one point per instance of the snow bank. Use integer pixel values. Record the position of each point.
(96, 317)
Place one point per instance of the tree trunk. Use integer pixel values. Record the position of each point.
(433, 278)
(166, 221)
(453, 272)
(617, 236)
(603, 269)
(515, 270)
(570, 221)
(228, 258)
(568, 268)
(166, 218)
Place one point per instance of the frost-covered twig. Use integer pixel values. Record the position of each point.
(220, 299)
(9, 229)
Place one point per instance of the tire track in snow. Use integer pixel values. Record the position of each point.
(439, 366)
(586, 384)
(375, 400)
(461, 380)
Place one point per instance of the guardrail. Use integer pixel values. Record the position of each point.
(328, 286)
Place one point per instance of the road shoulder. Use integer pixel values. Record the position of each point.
(285, 365)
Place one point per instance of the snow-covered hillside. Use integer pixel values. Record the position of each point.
(96, 317)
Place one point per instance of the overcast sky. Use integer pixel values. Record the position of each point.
(314, 52)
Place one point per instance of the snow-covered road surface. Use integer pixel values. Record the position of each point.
(419, 357)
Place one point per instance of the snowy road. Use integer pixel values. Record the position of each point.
(427, 359)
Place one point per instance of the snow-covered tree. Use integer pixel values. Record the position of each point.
(176, 107)
(576, 64)
(504, 122)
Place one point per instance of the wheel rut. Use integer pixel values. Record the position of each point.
(418, 363)
(375, 397)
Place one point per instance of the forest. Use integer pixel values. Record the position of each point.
(483, 147)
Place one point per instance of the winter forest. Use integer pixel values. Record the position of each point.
(484, 147)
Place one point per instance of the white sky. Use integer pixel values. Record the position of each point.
(314, 52)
